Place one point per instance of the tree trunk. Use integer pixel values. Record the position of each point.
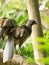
(33, 12)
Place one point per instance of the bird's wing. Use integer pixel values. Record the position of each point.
(9, 23)
(6, 26)
(22, 31)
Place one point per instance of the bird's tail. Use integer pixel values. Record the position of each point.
(9, 50)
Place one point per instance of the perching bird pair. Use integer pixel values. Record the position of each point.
(16, 35)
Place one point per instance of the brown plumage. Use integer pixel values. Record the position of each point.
(16, 35)
(6, 26)
(22, 33)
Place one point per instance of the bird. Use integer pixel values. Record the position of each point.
(17, 34)
(22, 32)
(7, 25)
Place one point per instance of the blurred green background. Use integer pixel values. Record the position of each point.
(17, 10)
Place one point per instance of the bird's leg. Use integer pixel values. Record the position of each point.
(15, 50)
(20, 49)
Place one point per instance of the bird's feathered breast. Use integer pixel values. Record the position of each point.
(22, 31)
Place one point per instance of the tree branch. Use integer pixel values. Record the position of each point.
(17, 60)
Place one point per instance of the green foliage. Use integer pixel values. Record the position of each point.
(45, 39)
(22, 18)
(45, 18)
(44, 60)
(1, 43)
(16, 9)
(47, 4)
(27, 51)
(30, 60)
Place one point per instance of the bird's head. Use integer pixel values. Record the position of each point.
(31, 22)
